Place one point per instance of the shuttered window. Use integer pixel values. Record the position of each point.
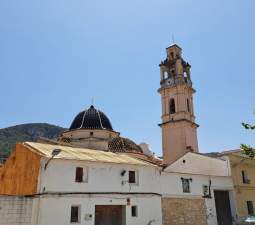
(131, 177)
(79, 174)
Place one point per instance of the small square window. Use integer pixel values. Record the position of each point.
(134, 211)
(185, 185)
(250, 207)
(131, 177)
(75, 214)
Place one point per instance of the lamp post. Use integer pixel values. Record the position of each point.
(54, 153)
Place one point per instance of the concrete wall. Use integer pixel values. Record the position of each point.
(56, 210)
(15, 210)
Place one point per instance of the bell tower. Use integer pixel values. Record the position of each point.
(179, 130)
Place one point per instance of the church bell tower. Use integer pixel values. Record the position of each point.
(179, 130)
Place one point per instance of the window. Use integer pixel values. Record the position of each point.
(134, 211)
(91, 133)
(79, 174)
(131, 177)
(75, 214)
(165, 75)
(250, 207)
(188, 108)
(172, 106)
(186, 185)
(245, 177)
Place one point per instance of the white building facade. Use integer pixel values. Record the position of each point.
(118, 189)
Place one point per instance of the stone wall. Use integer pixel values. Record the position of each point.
(15, 210)
(183, 211)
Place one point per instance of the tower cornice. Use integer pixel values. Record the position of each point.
(176, 86)
(177, 121)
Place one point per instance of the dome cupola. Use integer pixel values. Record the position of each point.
(91, 118)
(92, 129)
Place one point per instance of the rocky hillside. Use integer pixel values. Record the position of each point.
(26, 132)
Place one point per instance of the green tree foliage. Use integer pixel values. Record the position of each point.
(248, 150)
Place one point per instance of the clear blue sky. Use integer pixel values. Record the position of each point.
(55, 55)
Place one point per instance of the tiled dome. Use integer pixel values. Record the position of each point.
(91, 118)
(120, 144)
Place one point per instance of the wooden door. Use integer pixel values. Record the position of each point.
(109, 215)
(223, 209)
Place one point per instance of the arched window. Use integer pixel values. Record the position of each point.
(172, 106)
(165, 75)
(188, 106)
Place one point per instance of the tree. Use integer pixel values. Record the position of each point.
(248, 150)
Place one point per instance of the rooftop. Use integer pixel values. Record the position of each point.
(83, 154)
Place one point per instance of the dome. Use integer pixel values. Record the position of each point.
(120, 144)
(91, 118)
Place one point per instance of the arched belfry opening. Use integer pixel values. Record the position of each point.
(172, 109)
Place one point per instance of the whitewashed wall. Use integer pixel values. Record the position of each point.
(102, 177)
(195, 163)
(15, 210)
(56, 210)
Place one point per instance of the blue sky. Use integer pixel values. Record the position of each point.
(55, 55)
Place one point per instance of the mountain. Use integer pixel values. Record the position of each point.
(26, 132)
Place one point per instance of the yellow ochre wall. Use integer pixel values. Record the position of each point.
(243, 192)
(19, 174)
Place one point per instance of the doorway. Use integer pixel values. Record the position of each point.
(223, 208)
(110, 215)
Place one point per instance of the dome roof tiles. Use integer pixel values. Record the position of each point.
(91, 118)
